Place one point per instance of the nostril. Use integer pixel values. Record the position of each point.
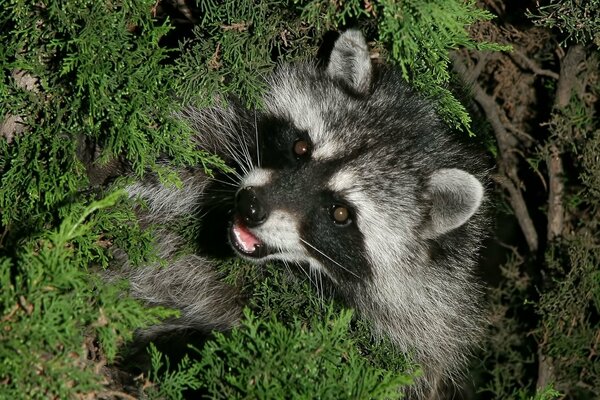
(249, 206)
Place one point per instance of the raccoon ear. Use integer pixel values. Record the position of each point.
(455, 196)
(349, 61)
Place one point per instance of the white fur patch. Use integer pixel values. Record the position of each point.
(296, 105)
(325, 150)
(342, 181)
(383, 234)
(280, 231)
(257, 177)
(168, 200)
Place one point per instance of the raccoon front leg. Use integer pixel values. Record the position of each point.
(167, 203)
(185, 282)
(191, 285)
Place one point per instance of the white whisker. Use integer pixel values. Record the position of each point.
(232, 184)
(329, 258)
(256, 140)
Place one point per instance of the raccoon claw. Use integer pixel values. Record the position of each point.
(244, 241)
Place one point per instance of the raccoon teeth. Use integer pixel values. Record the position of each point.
(244, 240)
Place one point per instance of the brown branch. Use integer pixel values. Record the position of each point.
(517, 202)
(508, 161)
(111, 394)
(556, 213)
(569, 68)
(527, 63)
(545, 371)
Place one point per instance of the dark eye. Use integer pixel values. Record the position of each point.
(301, 147)
(340, 214)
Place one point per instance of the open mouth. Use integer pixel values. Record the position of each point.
(245, 242)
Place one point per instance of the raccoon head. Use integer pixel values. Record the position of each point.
(354, 170)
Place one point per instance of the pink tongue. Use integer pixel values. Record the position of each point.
(244, 237)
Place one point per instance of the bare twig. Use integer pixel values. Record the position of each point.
(3, 235)
(508, 161)
(519, 132)
(527, 63)
(112, 394)
(520, 209)
(11, 313)
(484, 58)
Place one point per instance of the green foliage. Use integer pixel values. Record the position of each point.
(268, 359)
(288, 325)
(548, 393)
(331, 15)
(76, 73)
(418, 34)
(578, 20)
(281, 295)
(508, 353)
(421, 34)
(73, 83)
(571, 300)
(567, 308)
(172, 384)
(49, 298)
(217, 60)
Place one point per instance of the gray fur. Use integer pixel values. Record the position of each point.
(188, 282)
(416, 193)
(349, 62)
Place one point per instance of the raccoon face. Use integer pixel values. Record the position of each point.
(286, 211)
(352, 174)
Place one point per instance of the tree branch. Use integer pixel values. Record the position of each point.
(527, 63)
(569, 68)
(508, 162)
(556, 213)
(520, 209)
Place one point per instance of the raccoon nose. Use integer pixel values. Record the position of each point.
(249, 207)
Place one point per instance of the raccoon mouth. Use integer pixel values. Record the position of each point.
(245, 242)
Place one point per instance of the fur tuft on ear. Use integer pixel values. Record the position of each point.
(349, 61)
(455, 196)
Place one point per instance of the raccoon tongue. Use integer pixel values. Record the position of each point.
(245, 239)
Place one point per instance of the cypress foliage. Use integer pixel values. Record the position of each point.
(52, 304)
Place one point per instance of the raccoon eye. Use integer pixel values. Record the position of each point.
(301, 147)
(340, 214)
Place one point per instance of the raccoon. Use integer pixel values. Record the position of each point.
(349, 172)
